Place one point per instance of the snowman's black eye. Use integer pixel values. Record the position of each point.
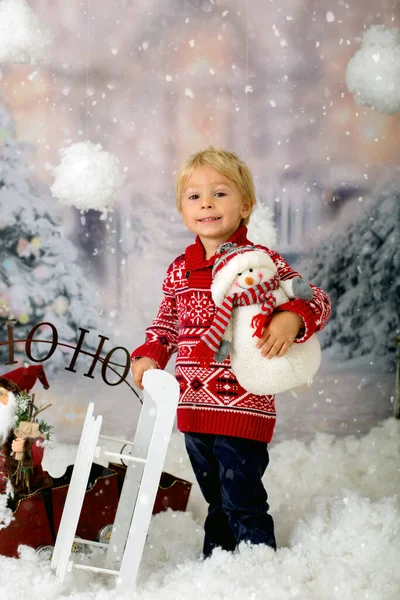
(250, 270)
(239, 274)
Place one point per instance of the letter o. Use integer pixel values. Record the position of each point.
(30, 339)
(107, 360)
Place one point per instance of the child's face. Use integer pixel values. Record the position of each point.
(212, 206)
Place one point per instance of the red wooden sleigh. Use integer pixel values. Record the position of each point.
(37, 516)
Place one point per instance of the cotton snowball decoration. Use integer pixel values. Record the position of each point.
(246, 289)
(22, 40)
(373, 74)
(87, 177)
(261, 227)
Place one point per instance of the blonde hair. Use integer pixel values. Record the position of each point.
(226, 163)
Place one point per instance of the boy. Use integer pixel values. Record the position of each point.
(227, 429)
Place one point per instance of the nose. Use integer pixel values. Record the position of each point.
(249, 281)
(207, 201)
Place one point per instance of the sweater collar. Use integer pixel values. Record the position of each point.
(195, 253)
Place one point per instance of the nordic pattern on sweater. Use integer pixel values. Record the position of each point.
(211, 399)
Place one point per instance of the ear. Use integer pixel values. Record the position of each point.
(246, 209)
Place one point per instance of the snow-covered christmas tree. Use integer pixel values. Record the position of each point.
(40, 279)
(360, 270)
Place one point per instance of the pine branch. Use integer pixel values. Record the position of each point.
(31, 407)
(41, 409)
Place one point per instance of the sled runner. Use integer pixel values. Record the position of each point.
(140, 486)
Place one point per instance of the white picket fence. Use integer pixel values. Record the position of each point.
(124, 552)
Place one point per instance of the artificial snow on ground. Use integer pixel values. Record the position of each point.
(336, 509)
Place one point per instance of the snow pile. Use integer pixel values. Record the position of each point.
(6, 515)
(329, 467)
(22, 40)
(87, 177)
(261, 226)
(373, 73)
(337, 517)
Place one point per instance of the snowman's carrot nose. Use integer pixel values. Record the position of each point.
(249, 281)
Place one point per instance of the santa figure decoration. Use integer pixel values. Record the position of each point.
(246, 290)
(21, 442)
(26, 377)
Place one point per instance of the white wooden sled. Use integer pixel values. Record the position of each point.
(124, 552)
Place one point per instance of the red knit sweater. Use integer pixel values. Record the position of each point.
(211, 399)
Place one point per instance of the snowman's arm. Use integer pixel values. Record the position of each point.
(297, 288)
(280, 295)
(225, 347)
(223, 351)
(287, 287)
(315, 313)
(228, 332)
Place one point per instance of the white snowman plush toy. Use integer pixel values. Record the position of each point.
(246, 289)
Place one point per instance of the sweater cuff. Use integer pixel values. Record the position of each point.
(152, 350)
(301, 308)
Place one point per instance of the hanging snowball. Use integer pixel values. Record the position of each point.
(60, 305)
(261, 226)
(21, 38)
(373, 74)
(87, 177)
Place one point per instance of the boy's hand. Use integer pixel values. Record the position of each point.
(279, 334)
(139, 367)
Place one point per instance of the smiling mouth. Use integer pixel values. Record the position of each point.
(243, 288)
(209, 219)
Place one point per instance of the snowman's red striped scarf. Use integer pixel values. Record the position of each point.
(259, 294)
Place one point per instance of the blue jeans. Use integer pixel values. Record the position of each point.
(229, 471)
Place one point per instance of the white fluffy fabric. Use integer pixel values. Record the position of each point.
(7, 417)
(373, 73)
(255, 372)
(6, 515)
(261, 375)
(87, 177)
(22, 40)
(223, 279)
